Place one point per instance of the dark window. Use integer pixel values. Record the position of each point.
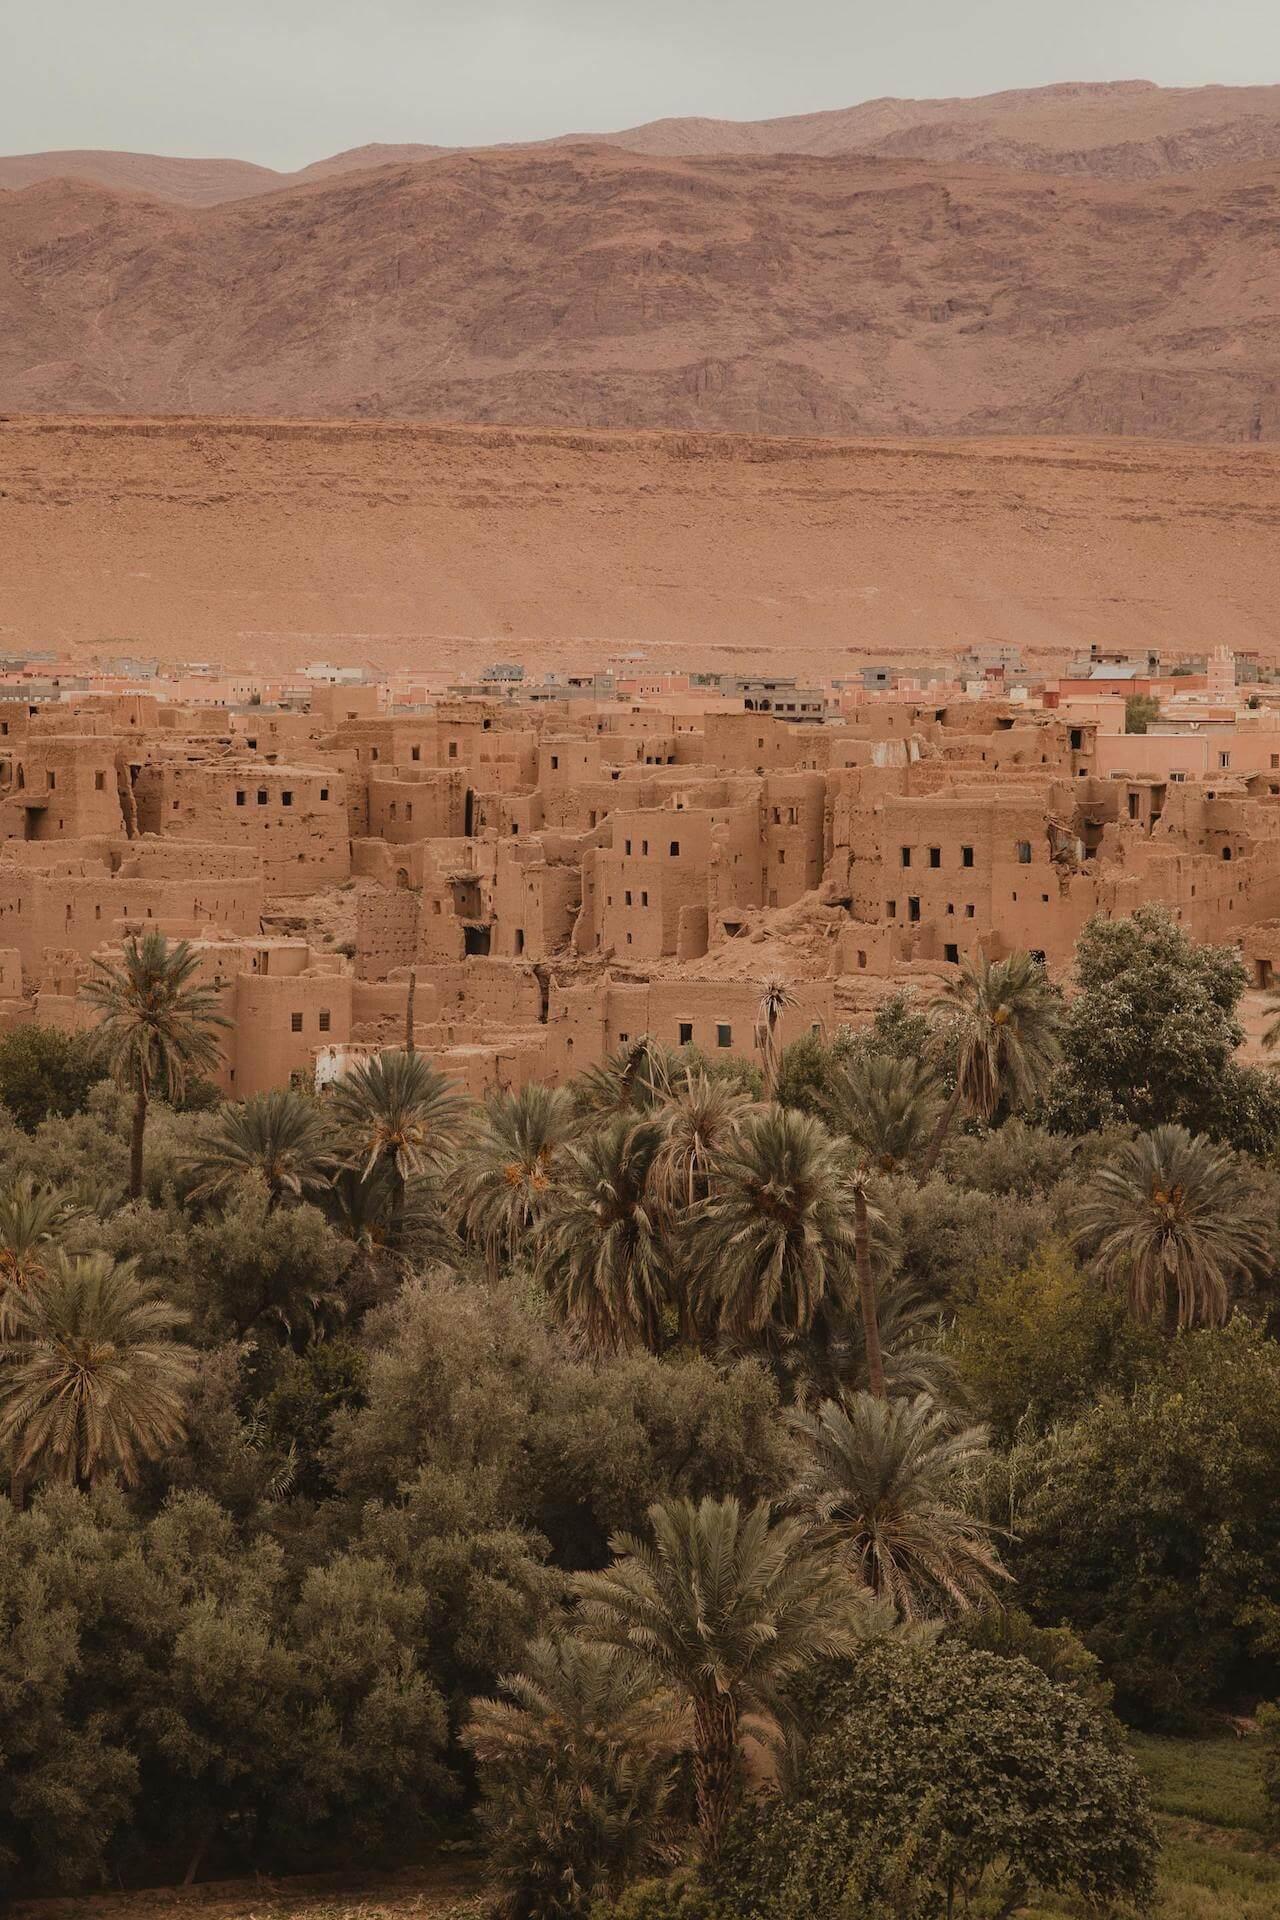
(626, 846)
(935, 856)
(262, 796)
(644, 899)
(891, 909)
(644, 846)
(1024, 853)
(555, 762)
(453, 749)
(324, 1020)
(951, 953)
(966, 856)
(862, 958)
(324, 793)
(415, 753)
(627, 897)
(724, 1036)
(913, 907)
(295, 1022)
(686, 1033)
(906, 856)
(675, 849)
(286, 798)
(99, 782)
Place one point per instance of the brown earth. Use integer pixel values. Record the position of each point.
(590, 287)
(270, 544)
(1126, 128)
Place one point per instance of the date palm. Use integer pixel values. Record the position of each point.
(775, 998)
(32, 1220)
(156, 1027)
(506, 1174)
(94, 1381)
(887, 1109)
(633, 1079)
(885, 1484)
(398, 1114)
(1173, 1220)
(775, 1238)
(577, 1775)
(1003, 1019)
(698, 1120)
(602, 1254)
(281, 1136)
(726, 1608)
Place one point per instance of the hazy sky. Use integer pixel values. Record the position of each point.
(287, 81)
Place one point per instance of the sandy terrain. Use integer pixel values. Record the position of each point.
(592, 287)
(272, 544)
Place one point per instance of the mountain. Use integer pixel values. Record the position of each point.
(796, 294)
(1127, 129)
(272, 543)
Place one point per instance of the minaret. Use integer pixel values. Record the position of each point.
(1222, 676)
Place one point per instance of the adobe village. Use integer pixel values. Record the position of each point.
(537, 875)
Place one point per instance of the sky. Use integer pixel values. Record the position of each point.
(283, 82)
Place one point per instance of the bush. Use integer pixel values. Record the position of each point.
(941, 1778)
(45, 1073)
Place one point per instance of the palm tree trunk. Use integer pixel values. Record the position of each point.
(409, 1006)
(715, 1768)
(397, 1203)
(136, 1138)
(867, 1294)
(940, 1133)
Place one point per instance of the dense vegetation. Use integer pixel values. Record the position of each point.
(736, 1494)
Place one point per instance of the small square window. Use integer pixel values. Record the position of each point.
(295, 1023)
(286, 798)
(906, 856)
(415, 753)
(240, 797)
(724, 1036)
(951, 954)
(324, 793)
(453, 749)
(324, 1020)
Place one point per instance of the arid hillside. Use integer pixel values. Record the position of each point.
(594, 288)
(1125, 128)
(270, 543)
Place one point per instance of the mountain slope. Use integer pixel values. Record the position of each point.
(592, 287)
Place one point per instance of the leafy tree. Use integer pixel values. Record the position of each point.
(943, 1780)
(298, 1413)
(726, 1609)
(775, 1239)
(697, 1120)
(577, 1776)
(280, 1138)
(156, 1026)
(258, 1267)
(888, 1484)
(401, 1118)
(45, 1073)
(1171, 1219)
(94, 1381)
(1003, 1029)
(1140, 709)
(1149, 1526)
(1038, 1343)
(32, 1220)
(1149, 1039)
(506, 1174)
(807, 1067)
(1060, 1654)
(602, 1255)
(887, 1110)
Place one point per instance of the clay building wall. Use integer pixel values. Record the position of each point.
(295, 817)
(421, 804)
(536, 899)
(587, 1023)
(657, 865)
(79, 908)
(60, 787)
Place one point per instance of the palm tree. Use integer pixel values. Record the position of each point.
(832, 1360)
(155, 1026)
(577, 1774)
(726, 1609)
(94, 1381)
(887, 1109)
(1173, 1219)
(774, 1239)
(32, 1219)
(882, 1484)
(602, 1255)
(505, 1178)
(280, 1136)
(775, 998)
(1004, 1023)
(401, 1115)
(697, 1119)
(631, 1080)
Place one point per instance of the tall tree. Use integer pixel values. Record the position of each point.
(775, 998)
(885, 1483)
(32, 1220)
(1172, 1218)
(775, 1238)
(156, 1027)
(887, 1109)
(1004, 1020)
(400, 1115)
(697, 1120)
(727, 1609)
(94, 1381)
(281, 1136)
(506, 1174)
(602, 1254)
(633, 1079)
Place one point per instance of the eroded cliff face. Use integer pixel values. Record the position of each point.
(591, 287)
(384, 543)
